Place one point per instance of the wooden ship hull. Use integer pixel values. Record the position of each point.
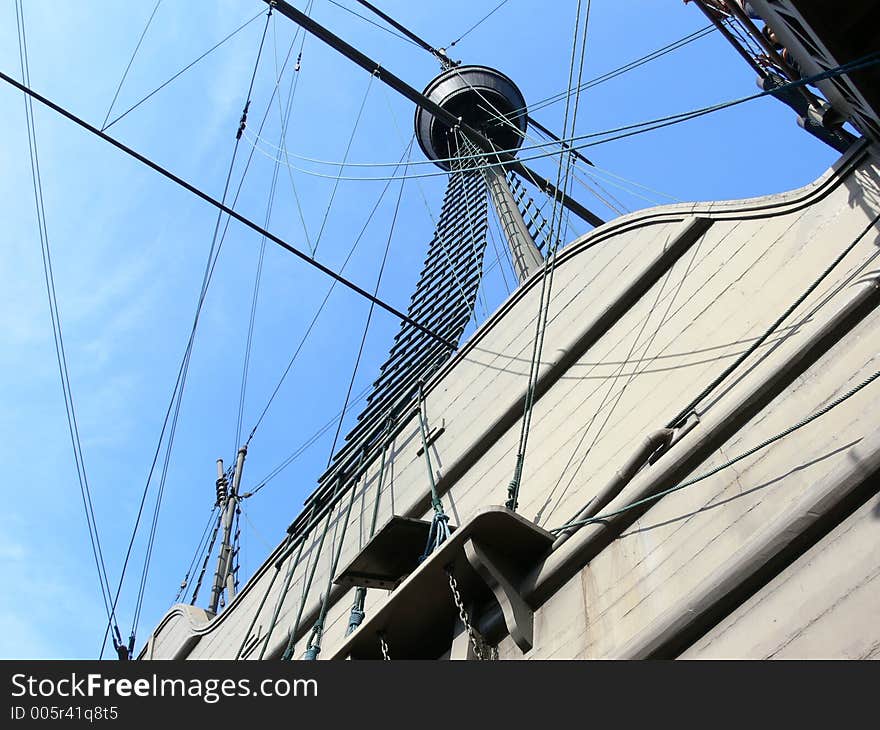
(703, 460)
(773, 556)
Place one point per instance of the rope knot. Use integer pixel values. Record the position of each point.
(242, 123)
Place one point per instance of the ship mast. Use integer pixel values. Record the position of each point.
(429, 105)
(228, 499)
(523, 251)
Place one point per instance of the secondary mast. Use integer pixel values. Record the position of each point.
(224, 576)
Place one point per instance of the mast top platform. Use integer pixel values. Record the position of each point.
(482, 98)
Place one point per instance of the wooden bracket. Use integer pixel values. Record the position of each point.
(489, 555)
(495, 570)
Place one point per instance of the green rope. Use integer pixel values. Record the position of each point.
(281, 596)
(260, 607)
(435, 498)
(314, 644)
(439, 531)
(291, 638)
(360, 594)
(562, 182)
(764, 444)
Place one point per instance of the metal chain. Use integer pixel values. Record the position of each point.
(480, 646)
(384, 646)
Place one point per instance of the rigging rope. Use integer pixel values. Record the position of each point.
(730, 462)
(253, 313)
(206, 282)
(342, 164)
(549, 269)
(320, 309)
(608, 135)
(180, 72)
(479, 23)
(630, 377)
(595, 173)
(208, 552)
(286, 115)
(57, 332)
(690, 407)
(291, 638)
(128, 67)
(248, 633)
(625, 68)
(434, 222)
(291, 567)
(439, 531)
(360, 594)
(307, 443)
(177, 391)
(360, 353)
(314, 643)
(439, 54)
(235, 556)
(462, 142)
(373, 22)
(498, 254)
(285, 120)
(202, 543)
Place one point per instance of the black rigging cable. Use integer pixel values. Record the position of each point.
(130, 61)
(58, 338)
(198, 586)
(235, 555)
(412, 37)
(226, 209)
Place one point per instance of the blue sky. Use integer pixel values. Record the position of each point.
(129, 248)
